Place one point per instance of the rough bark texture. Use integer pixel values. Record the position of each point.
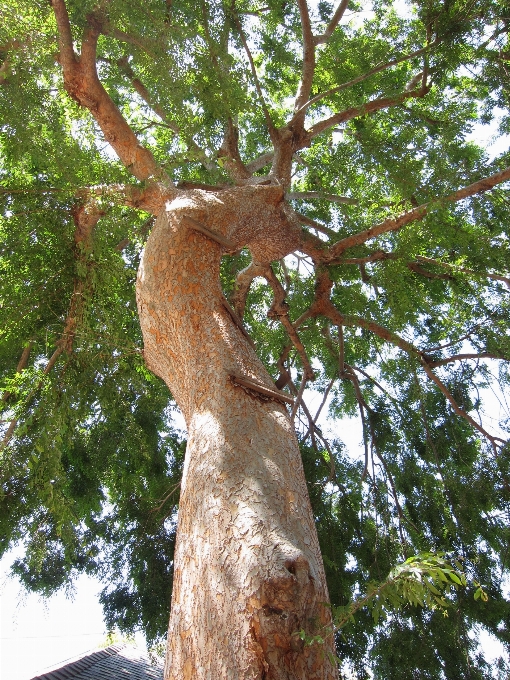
(248, 569)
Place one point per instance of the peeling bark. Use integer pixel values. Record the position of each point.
(248, 572)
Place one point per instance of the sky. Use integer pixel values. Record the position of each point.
(36, 634)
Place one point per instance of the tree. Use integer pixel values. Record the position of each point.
(290, 162)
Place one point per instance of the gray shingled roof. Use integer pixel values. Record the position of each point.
(118, 662)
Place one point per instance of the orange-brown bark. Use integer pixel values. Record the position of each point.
(248, 569)
(82, 83)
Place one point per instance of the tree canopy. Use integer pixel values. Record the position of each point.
(395, 306)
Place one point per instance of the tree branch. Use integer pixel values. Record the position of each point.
(83, 85)
(382, 255)
(21, 365)
(269, 122)
(242, 286)
(364, 76)
(417, 269)
(489, 275)
(461, 357)
(85, 216)
(144, 93)
(337, 17)
(122, 36)
(316, 225)
(319, 195)
(299, 397)
(280, 310)
(458, 410)
(363, 110)
(418, 213)
(308, 67)
(329, 310)
(316, 417)
(260, 162)
(5, 68)
(229, 153)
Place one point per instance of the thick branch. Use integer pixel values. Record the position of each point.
(21, 365)
(238, 322)
(191, 223)
(337, 17)
(257, 164)
(5, 68)
(83, 85)
(395, 223)
(284, 376)
(229, 153)
(265, 391)
(308, 67)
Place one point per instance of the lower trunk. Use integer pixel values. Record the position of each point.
(248, 574)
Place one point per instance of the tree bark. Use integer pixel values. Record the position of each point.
(248, 573)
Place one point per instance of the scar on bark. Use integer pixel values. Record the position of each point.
(260, 391)
(214, 236)
(237, 320)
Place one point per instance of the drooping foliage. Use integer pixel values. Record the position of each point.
(413, 344)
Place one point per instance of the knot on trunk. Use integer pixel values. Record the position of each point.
(290, 603)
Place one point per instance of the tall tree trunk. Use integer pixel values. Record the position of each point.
(248, 571)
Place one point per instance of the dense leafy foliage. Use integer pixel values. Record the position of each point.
(91, 458)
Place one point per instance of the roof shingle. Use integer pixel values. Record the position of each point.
(118, 662)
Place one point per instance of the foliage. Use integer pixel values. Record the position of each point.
(422, 580)
(89, 475)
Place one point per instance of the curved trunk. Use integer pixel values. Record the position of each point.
(248, 571)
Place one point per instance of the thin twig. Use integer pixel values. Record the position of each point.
(280, 310)
(369, 107)
(299, 397)
(418, 213)
(364, 76)
(269, 122)
(462, 357)
(319, 195)
(458, 410)
(316, 417)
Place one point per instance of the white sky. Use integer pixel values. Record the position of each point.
(36, 633)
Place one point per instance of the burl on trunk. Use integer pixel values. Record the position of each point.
(248, 569)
